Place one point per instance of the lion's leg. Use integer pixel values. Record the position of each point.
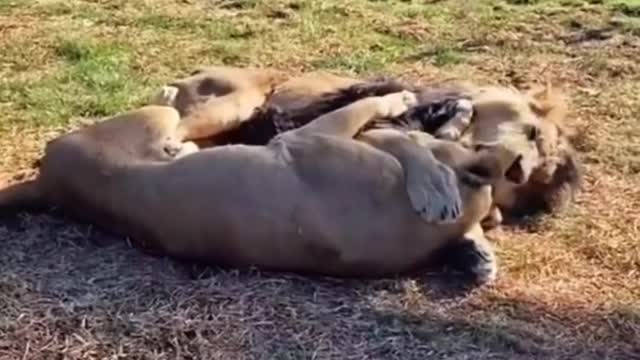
(215, 115)
(349, 120)
(150, 131)
(473, 256)
(432, 186)
(220, 114)
(216, 99)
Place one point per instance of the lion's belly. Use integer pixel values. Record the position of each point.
(245, 206)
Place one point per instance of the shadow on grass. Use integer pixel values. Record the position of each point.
(70, 289)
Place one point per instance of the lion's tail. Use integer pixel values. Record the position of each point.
(21, 196)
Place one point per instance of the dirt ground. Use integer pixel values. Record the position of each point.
(569, 285)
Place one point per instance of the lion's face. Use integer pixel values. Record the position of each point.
(484, 165)
(523, 145)
(479, 171)
(515, 120)
(531, 124)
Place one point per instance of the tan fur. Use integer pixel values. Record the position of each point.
(217, 98)
(501, 115)
(504, 116)
(312, 200)
(299, 91)
(295, 92)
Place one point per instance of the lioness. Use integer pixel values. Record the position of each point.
(312, 200)
(477, 116)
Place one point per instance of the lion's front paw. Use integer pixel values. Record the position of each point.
(433, 192)
(396, 104)
(166, 96)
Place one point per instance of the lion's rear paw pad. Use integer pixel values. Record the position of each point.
(475, 263)
(435, 197)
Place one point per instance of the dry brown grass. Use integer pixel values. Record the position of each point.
(569, 286)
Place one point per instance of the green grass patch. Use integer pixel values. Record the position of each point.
(358, 62)
(238, 4)
(165, 22)
(523, 2)
(627, 7)
(369, 56)
(6, 6)
(444, 56)
(217, 30)
(97, 80)
(59, 8)
(629, 24)
(440, 55)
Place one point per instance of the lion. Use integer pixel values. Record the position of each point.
(555, 181)
(317, 200)
(478, 116)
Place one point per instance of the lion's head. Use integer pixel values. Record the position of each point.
(531, 123)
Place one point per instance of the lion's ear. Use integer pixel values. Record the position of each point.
(548, 103)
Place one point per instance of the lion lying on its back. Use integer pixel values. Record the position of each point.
(316, 200)
(476, 116)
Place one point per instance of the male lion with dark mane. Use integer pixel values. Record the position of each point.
(316, 200)
(530, 122)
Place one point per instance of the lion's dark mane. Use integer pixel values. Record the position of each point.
(270, 120)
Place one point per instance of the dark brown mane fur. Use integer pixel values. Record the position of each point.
(534, 199)
(263, 126)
